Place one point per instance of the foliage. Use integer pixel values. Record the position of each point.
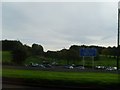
(20, 52)
(6, 57)
(36, 59)
(19, 55)
(10, 45)
(37, 49)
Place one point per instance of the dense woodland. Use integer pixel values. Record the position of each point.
(20, 51)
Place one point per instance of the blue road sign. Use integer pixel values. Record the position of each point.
(88, 52)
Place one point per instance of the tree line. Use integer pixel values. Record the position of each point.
(21, 51)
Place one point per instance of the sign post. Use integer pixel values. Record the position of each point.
(88, 52)
(83, 61)
(93, 62)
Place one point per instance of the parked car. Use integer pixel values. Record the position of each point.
(54, 63)
(111, 68)
(100, 67)
(68, 67)
(48, 65)
(35, 65)
(42, 66)
(80, 67)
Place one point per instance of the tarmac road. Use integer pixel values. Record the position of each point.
(24, 87)
(17, 87)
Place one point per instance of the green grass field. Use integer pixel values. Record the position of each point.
(61, 78)
(64, 77)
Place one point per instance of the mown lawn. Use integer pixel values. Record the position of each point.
(63, 77)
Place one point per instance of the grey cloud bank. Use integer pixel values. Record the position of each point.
(60, 25)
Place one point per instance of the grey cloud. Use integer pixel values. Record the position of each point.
(58, 25)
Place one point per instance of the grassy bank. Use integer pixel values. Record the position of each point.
(74, 78)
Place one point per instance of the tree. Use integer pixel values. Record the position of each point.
(114, 51)
(51, 54)
(37, 49)
(10, 45)
(74, 52)
(63, 54)
(105, 52)
(28, 50)
(19, 55)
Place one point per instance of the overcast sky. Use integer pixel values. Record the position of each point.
(59, 25)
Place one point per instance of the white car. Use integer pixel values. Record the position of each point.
(100, 67)
(111, 68)
(42, 66)
(70, 67)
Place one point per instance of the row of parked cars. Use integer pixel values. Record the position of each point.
(106, 68)
(73, 66)
(38, 65)
(54, 65)
(96, 67)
